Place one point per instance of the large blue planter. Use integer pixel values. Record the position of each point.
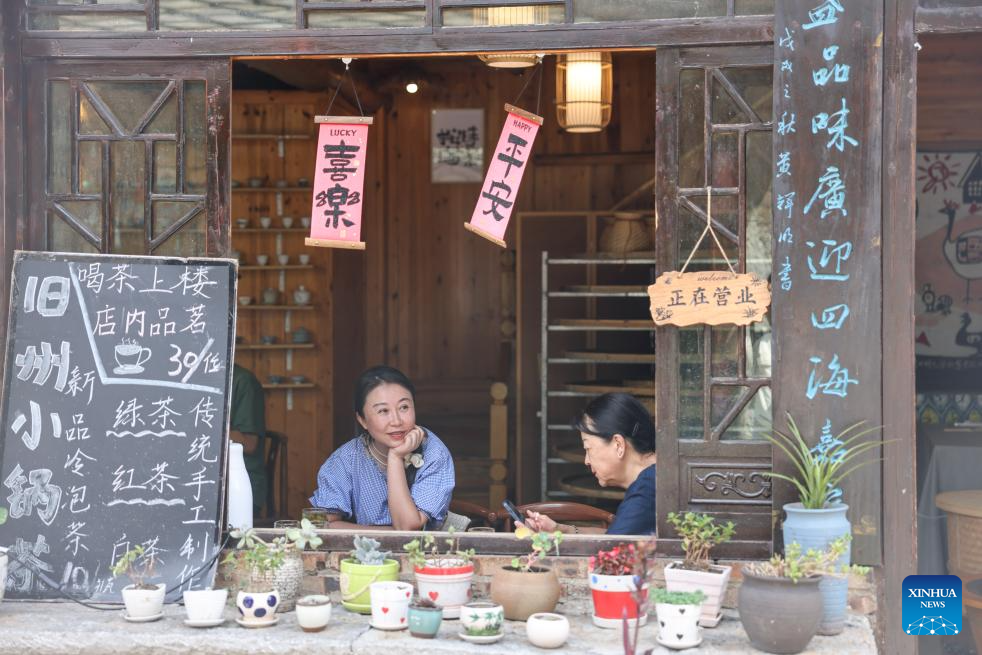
(817, 528)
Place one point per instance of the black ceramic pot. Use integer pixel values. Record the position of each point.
(780, 616)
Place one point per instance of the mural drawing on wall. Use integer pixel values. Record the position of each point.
(948, 290)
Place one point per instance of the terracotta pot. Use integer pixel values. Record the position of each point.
(524, 594)
(780, 616)
(712, 583)
(448, 586)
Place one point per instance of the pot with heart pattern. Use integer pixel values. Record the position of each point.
(390, 604)
(446, 582)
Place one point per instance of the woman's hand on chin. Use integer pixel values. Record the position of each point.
(409, 443)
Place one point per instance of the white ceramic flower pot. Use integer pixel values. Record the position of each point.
(258, 608)
(143, 603)
(314, 612)
(678, 626)
(446, 583)
(482, 618)
(712, 583)
(205, 604)
(547, 630)
(390, 604)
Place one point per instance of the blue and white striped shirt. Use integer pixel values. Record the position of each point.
(350, 483)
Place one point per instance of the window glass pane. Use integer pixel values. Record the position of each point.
(128, 182)
(168, 212)
(759, 348)
(593, 11)
(164, 120)
(725, 108)
(85, 212)
(198, 15)
(754, 421)
(691, 226)
(724, 398)
(691, 378)
(726, 353)
(88, 22)
(755, 86)
(692, 128)
(503, 16)
(62, 237)
(195, 138)
(759, 174)
(59, 137)
(745, 7)
(90, 166)
(725, 163)
(89, 121)
(165, 167)
(189, 241)
(128, 101)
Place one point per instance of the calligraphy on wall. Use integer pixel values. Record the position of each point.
(456, 145)
(709, 297)
(339, 181)
(115, 416)
(504, 177)
(827, 227)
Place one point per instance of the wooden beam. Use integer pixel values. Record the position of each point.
(405, 42)
(897, 325)
(949, 20)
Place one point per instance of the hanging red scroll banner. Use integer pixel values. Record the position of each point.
(504, 177)
(339, 182)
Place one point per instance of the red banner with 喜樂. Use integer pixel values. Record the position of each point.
(504, 176)
(339, 181)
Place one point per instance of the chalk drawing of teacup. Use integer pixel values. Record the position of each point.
(131, 358)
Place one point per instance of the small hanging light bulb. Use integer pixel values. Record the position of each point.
(412, 87)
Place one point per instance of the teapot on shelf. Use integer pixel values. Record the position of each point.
(301, 335)
(301, 295)
(270, 296)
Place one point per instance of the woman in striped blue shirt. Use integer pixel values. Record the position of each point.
(395, 473)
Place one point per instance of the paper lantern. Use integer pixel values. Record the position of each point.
(584, 86)
(501, 16)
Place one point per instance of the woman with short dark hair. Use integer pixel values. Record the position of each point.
(619, 443)
(395, 473)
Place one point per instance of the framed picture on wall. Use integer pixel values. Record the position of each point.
(457, 145)
(948, 278)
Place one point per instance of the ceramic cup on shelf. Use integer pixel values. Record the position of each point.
(298, 379)
(267, 339)
(255, 182)
(282, 184)
(304, 259)
(245, 300)
(276, 379)
(265, 221)
(302, 335)
(270, 296)
(303, 182)
(242, 223)
(262, 260)
(305, 221)
(283, 259)
(287, 222)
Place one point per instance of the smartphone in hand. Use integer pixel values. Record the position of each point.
(512, 511)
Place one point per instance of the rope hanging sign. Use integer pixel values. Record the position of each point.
(708, 297)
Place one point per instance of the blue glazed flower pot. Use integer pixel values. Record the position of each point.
(424, 622)
(817, 528)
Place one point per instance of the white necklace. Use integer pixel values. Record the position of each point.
(376, 455)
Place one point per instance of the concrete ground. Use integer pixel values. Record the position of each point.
(32, 628)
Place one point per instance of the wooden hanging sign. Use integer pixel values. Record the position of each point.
(504, 176)
(709, 297)
(339, 182)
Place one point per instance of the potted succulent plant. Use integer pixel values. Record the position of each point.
(526, 587)
(678, 618)
(425, 618)
(700, 533)
(612, 586)
(444, 579)
(779, 600)
(3, 553)
(365, 565)
(258, 562)
(144, 601)
(819, 518)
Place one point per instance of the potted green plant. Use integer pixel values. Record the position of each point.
(365, 565)
(527, 587)
(780, 602)
(819, 518)
(612, 586)
(144, 601)
(446, 578)
(425, 618)
(700, 534)
(258, 562)
(678, 618)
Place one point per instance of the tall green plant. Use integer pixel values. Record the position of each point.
(820, 473)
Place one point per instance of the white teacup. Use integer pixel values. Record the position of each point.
(304, 259)
(262, 260)
(287, 222)
(283, 259)
(390, 604)
(265, 221)
(305, 221)
(205, 604)
(313, 612)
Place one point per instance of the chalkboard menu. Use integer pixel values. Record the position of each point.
(115, 415)
(827, 207)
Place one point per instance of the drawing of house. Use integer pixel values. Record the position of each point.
(971, 182)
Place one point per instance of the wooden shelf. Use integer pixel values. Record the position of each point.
(586, 485)
(272, 189)
(639, 257)
(588, 357)
(276, 308)
(601, 387)
(277, 267)
(571, 454)
(273, 230)
(278, 387)
(277, 137)
(601, 291)
(568, 324)
(274, 346)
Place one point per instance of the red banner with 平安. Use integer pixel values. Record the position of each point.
(504, 176)
(339, 181)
